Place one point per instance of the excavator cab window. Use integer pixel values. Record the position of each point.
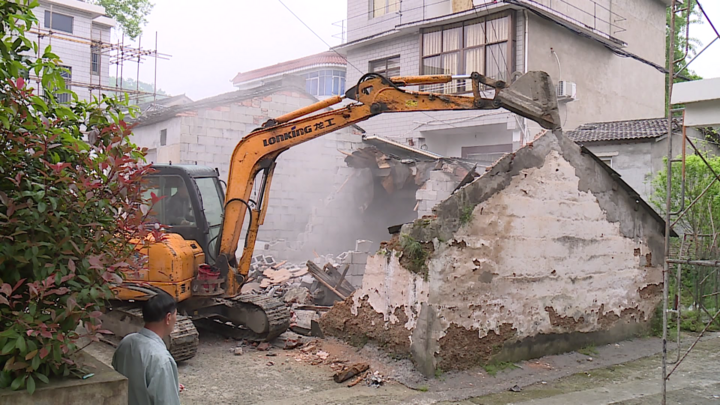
(211, 197)
(174, 207)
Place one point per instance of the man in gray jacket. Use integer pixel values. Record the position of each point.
(143, 358)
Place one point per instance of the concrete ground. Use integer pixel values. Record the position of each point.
(623, 373)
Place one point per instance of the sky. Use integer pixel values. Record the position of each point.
(210, 41)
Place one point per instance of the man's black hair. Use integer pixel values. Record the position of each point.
(156, 308)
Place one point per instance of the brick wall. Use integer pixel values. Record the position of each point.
(305, 175)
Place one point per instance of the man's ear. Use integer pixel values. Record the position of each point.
(167, 318)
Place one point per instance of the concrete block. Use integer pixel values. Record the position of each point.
(426, 195)
(199, 148)
(363, 246)
(214, 132)
(439, 176)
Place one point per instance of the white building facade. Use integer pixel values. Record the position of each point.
(576, 41)
(79, 34)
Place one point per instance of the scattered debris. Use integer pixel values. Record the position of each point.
(271, 354)
(357, 380)
(515, 388)
(375, 380)
(298, 295)
(301, 321)
(270, 363)
(350, 372)
(264, 346)
(238, 351)
(292, 344)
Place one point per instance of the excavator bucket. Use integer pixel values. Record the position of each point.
(532, 96)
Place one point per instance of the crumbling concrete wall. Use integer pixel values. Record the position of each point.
(544, 253)
(436, 189)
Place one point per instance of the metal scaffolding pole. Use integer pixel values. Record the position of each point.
(699, 258)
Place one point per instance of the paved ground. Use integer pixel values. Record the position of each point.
(626, 373)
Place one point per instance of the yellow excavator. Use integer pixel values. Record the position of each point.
(195, 261)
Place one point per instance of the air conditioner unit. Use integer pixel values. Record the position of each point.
(566, 90)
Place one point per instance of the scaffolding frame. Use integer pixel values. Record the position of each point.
(710, 268)
(117, 53)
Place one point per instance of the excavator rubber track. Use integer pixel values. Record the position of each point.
(182, 343)
(277, 318)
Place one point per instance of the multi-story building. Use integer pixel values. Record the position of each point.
(324, 74)
(604, 55)
(76, 31)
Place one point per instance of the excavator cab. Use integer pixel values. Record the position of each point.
(191, 203)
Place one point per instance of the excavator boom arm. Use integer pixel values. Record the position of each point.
(531, 96)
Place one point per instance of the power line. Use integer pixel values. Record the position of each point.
(319, 37)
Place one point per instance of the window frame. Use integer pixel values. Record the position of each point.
(95, 59)
(54, 14)
(509, 52)
(163, 137)
(320, 77)
(65, 98)
(386, 8)
(385, 61)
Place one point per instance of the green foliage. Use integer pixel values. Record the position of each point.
(493, 369)
(416, 254)
(68, 209)
(423, 388)
(680, 41)
(439, 372)
(466, 214)
(589, 350)
(704, 216)
(130, 14)
(693, 321)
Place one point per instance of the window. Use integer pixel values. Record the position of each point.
(212, 204)
(382, 7)
(67, 75)
(325, 83)
(163, 137)
(389, 67)
(174, 207)
(479, 45)
(95, 59)
(60, 22)
(487, 154)
(607, 160)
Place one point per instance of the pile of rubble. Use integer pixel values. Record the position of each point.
(308, 288)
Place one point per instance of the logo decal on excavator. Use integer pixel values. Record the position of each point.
(411, 103)
(294, 131)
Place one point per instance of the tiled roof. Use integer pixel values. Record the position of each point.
(621, 130)
(325, 58)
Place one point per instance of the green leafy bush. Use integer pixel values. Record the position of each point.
(68, 209)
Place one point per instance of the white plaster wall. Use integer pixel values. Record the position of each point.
(543, 244)
(609, 87)
(538, 243)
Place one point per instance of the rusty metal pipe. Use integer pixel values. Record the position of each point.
(309, 109)
(416, 80)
